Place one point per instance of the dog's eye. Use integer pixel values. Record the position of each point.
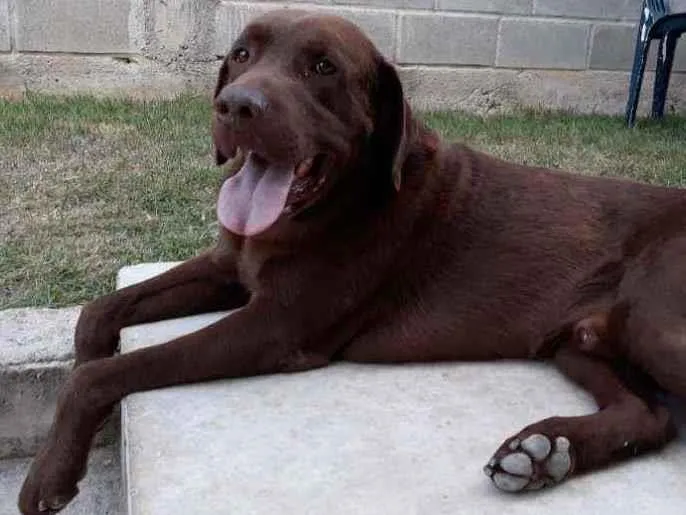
(240, 55)
(324, 67)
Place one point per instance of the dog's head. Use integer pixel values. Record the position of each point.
(303, 101)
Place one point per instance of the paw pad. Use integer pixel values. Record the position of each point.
(530, 464)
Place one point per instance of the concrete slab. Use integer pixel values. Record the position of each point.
(101, 491)
(360, 439)
(29, 335)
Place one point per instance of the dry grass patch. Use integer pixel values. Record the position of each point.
(88, 186)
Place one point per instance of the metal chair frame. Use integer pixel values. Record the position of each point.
(656, 22)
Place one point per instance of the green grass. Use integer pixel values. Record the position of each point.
(88, 186)
(598, 145)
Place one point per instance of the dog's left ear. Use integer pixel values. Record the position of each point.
(391, 122)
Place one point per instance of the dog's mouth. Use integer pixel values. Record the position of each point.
(260, 191)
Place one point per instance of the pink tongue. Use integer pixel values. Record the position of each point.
(251, 200)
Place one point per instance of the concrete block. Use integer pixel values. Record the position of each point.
(359, 439)
(172, 23)
(379, 25)
(390, 4)
(542, 44)
(447, 39)
(487, 6)
(608, 9)
(37, 335)
(232, 17)
(36, 351)
(295, 2)
(175, 30)
(5, 28)
(192, 31)
(95, 26)
(612, 48)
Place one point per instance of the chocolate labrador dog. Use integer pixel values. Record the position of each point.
(350, 231)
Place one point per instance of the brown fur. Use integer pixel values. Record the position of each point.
(416, 250)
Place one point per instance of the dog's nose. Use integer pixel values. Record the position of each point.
(241, 103)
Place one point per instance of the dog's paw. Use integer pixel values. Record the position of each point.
(47, 489)
(530, 463)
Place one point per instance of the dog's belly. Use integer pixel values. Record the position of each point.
(480, 315)
(395, 348)
(444, 333)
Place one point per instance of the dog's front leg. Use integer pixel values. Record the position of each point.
(199, 285)
(259, 339)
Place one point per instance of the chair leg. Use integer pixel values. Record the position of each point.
(640, 58)
(665, 60)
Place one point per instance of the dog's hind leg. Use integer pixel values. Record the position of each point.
(655, 340)
(653, 293)
(198, 285)
(554, 449)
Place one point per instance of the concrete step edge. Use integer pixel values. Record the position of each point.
(36, 355)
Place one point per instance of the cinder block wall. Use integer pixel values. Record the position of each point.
(480, 55)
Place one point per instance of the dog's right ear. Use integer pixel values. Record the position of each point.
(391, 122)
(219, 133)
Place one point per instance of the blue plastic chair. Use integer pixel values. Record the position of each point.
(656, 23)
